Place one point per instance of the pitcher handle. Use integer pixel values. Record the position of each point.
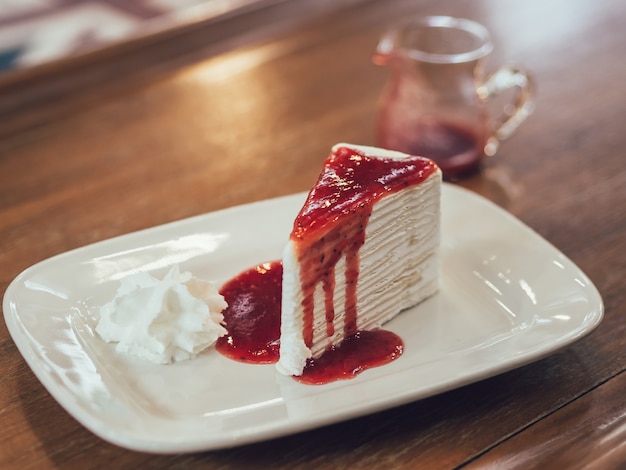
(503, 79)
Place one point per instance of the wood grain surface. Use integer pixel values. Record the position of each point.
(215, 115)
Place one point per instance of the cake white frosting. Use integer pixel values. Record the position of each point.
(399, 268)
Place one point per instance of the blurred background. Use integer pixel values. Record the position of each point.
(35, 32)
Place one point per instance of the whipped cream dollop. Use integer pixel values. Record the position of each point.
(163, 321)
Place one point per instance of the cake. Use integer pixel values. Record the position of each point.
(363, 248)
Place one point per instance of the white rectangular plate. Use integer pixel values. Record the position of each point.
(507, 298)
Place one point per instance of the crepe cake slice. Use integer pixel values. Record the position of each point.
(363, 248)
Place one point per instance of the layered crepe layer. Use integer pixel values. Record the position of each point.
(398, 269)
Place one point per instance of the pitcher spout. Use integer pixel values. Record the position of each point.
(385, 48)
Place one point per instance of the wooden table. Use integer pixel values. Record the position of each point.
(215, 115)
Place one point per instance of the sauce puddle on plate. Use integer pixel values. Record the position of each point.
(253, 322)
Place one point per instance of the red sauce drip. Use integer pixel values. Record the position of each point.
(317, 264)
(358, 352)
(350, 181)
(253, 315)
(332, 224)
(253, 321)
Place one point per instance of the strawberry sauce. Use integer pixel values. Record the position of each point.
(253, 315)
(331, 225)
(253, 322)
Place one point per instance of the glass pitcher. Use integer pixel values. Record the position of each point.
(435, 103)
